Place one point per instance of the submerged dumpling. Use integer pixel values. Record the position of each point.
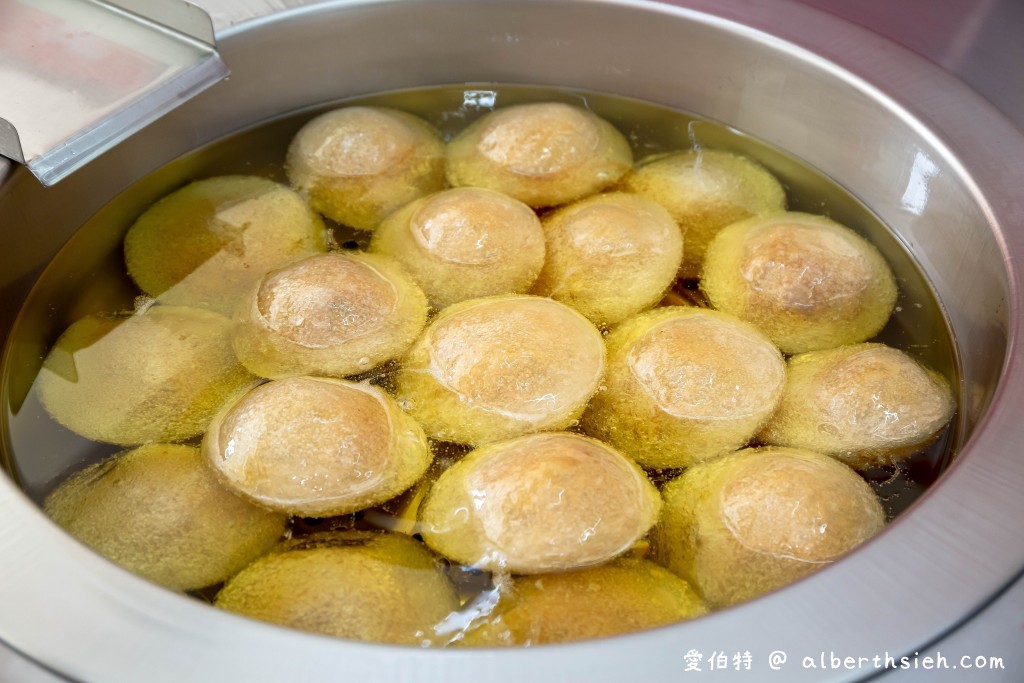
(363, 585)
(207, 243)
(705, 190)
(358, 164)
(753, 521)
(493, 368)
(622, 596)
(542, 154)
(154, 376)
(159, 512)
(865, 404)
(806, 281)
(539, 503)
(464, 243)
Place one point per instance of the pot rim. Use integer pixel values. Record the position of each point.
(965, 540)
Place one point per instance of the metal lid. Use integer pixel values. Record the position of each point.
(78, 76)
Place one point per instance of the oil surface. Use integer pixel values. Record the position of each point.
(88, 275)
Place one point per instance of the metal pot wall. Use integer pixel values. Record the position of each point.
(935, 162)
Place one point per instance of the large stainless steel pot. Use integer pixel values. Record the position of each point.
(935, 162)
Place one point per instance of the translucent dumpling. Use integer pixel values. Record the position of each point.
(755, 520)
(808, 282)
(362, 585)
(493, 368)
(153, 376)
(542, 154)
(160, 512)
(358, 164)
(316, 446)
(207, 243)
(539, 503)
(866, 404)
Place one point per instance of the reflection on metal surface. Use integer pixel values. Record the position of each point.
(17, 669)
(78, 76)
(915, 197)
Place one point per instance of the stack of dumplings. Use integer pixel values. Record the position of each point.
(582, 453)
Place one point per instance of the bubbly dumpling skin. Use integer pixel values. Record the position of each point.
(705, 190)
(464, 243)
(539, 503)
(316, 446)
(155, 376)
(207, 243)
(335, 314)
(685, 384)
(865, 404)
(358, 164)
(494, 368)
(610, 256)
(159, 512)
(755, 520)
(542, 154)
(808, 282)
(360, 585)
(621, 596)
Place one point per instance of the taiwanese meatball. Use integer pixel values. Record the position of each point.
(705, 190)
(622, 596)
(493, 368)
(361, 585)
(539, 503)
(316, 446)
(464, 243)
(542, 154)
(358, 164)
(336, 314)
(866, 404)
(760, 518)
(159, 512)
(206, 244)
(808, 282)
(610, 256)
(154, 376)
(685, 385)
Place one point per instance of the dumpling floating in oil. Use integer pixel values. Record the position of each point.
(358, 164)
(865, 404)
(705, 190)
(755, 520)
(498, 367)
(335, 314)
(316, 447)
(610, 256)
(159, 512)
(685, 385)
(808, 282)
(464, 243)
(542, 154)
(539, 503)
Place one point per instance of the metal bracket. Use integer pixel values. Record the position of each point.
(79, 76)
